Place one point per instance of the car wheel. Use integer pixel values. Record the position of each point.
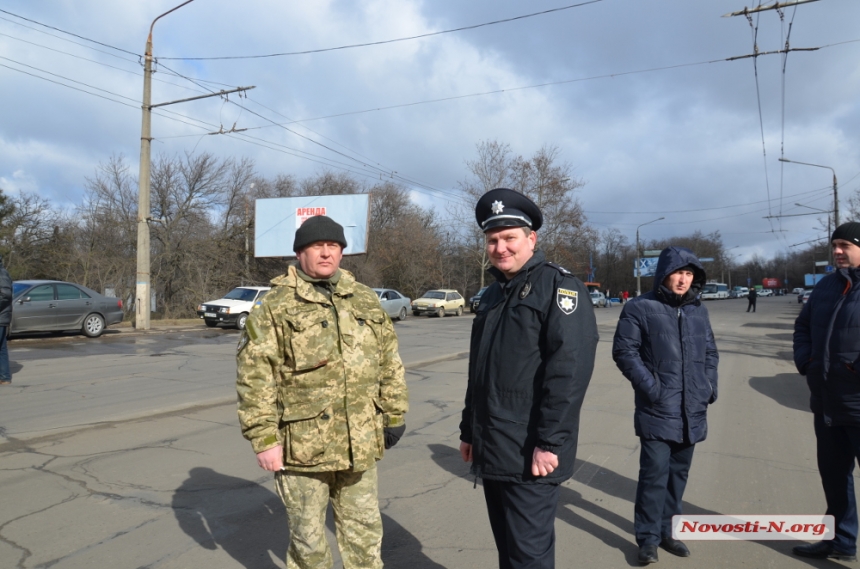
(459, 311)
(93, 326)
(402, 315)
(441, 313)
(240, 322)
(210, 324)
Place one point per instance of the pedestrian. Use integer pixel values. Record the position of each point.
(5, 321)
(608, 299)
(624, 297)
(752, 296)
(531, 357)
(827, 352)
(665, 346)
(321, 393)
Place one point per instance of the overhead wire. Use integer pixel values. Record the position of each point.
(382, 42)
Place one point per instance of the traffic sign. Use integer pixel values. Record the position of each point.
(829, 269)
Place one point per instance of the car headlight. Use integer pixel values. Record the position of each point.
(200, 307)
(224, 310)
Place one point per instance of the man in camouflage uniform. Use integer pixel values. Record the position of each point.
(321, 393)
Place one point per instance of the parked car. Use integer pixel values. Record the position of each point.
(805, 297)
(598, 299)
(801, 295)
(233, 308)
(393, 302)
(476, 300)
(439, 302)
(765, 292)
(57, 306)
(797, 291)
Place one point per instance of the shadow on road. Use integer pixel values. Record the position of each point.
(249, 523)
(241, 517)
(787, 389)
(614, 485)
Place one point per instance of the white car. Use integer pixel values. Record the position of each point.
(764, 292)
(234, 308)
(598, 299)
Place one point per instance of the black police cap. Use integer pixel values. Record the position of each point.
(502, 207)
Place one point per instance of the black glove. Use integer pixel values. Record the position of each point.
(393, 434)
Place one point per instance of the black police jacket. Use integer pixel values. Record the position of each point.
(531, 357)
(827, 347)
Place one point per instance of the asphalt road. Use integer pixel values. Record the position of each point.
(125, 452)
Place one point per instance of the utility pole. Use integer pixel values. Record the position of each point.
(143, 286)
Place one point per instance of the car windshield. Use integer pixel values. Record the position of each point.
(439, 295)
(379, 293)
(246, 294)
(710, 288)
(595, 295)
(480, 292)
(18, 288)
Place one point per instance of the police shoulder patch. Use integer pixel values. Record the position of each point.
(566, 299)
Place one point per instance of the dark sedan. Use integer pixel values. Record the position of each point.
(476, 300)
(56, 306)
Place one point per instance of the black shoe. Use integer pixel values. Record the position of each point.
(822, 550)
(675, 547)
(647, 554)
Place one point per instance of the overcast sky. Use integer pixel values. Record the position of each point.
(635, 94)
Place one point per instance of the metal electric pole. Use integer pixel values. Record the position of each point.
(143, 289)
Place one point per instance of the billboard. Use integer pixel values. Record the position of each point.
(768, 282)
(277, 219)
(647, 266)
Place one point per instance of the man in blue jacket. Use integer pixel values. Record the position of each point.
(664, 345)
(532, 353)
(827, 352)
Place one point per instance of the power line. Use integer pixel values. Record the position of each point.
(351, 46)
(68, 33)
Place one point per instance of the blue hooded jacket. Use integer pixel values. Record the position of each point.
(665, 346)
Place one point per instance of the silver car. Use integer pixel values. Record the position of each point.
(55, 306)
(395, 304)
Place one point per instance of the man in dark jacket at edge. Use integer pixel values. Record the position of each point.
(531, 357)
(827, 352)
(5, 321)
(752, 295)
(665, 346)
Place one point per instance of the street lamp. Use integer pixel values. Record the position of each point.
(142, 294)
(638, 260)
(835, 194)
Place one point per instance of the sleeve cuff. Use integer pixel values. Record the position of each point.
(393, 420)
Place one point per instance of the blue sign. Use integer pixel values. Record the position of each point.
(749, 280)
(829, 269)
(811, 280)
(647, 267)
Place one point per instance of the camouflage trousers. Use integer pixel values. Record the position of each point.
(358, 524)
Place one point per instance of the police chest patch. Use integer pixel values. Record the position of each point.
(566, 300)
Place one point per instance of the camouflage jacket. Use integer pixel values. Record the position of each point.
(320, 377)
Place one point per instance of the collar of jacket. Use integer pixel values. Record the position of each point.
(345, 285)
(850, 274)
(537, 258)
(668, 297)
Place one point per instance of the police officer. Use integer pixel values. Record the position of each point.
(532, 353)
(321, 392)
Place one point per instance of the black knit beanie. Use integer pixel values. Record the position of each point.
(849, 232)
(318, 228)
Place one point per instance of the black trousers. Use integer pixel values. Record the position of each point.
(751, 305)
(838, 447)
(522, 517)
(663, 470)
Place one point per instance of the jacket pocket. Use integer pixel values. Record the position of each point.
(313, 338)
(308, 431)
